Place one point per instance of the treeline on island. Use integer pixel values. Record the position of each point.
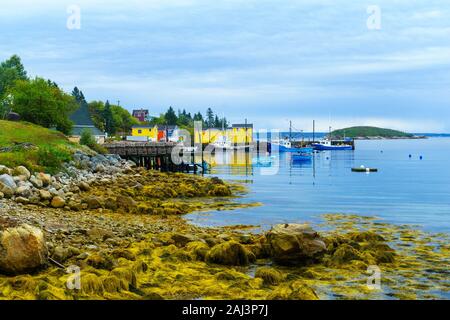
(41, 101)
(369, 132)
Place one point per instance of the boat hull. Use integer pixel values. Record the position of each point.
(321, 147)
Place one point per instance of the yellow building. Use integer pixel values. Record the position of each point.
(238, 133)
(145, 131)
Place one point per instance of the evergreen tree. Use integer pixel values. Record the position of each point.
(108, 118)
(209, 118)
(171, 117)
(217, 122)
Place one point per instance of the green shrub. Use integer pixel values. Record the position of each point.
(87, 138)
(52, 158)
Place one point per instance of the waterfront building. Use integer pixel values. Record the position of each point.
(142, 115)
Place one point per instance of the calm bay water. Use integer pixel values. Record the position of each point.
(404, 191)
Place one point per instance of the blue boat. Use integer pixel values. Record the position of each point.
(327, 145)
(286, 146)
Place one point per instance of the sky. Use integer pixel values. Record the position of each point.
(265, 61)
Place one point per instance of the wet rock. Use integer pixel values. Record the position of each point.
(22, 249)
(58, 202)
(198, 250)
(294, 244)
(181, 240)
(22, 171)
(269, 275)
(1, 195)
(297, 290)
(230, 253)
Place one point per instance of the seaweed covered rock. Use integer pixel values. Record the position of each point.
(22, 249)
(294, 244)
(296, 290)
(358, 248)
(345, 254)
(198, 250)
(269, 275)
(230, 253)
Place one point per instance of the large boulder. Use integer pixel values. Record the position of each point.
(22, 249)
(294, 244)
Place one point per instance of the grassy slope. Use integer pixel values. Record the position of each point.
(52, 147)
(369, 132)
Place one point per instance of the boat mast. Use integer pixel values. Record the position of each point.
(290, 130)
(314, 131)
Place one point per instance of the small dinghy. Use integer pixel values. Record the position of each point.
(364, 169)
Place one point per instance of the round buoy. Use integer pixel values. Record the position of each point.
(421, 157)
(410, 156)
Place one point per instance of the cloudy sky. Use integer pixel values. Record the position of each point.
(268, 61)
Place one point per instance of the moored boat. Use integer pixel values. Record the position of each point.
(328, 145)
(285, 145)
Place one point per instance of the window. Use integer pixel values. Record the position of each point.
(139, 131)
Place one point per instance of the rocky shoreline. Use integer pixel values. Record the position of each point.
(123, 228)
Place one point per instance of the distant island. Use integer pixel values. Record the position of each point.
(365, 132)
